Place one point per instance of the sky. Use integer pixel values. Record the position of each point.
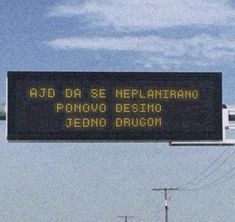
(94, 182)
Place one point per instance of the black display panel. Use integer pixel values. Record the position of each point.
(114, 106)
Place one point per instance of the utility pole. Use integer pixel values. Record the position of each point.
(166, 198)
(126, 217)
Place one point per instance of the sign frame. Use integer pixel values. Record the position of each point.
(215, 77)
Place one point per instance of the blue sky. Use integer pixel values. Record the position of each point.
(97, 182)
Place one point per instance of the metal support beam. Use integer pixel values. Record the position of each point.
(2, 112)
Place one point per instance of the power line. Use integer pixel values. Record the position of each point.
(222, 163)
(226, 179)
(194, 179)
(215, 182)
(214, 170)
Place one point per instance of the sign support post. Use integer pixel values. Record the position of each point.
(228, 114)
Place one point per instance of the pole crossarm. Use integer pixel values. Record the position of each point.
(126, 217)
(162, 189)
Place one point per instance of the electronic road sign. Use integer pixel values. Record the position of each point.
(114, 106)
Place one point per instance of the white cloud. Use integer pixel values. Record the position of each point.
(198, 50)
(140, 15)
(149, 14)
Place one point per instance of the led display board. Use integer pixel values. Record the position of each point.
(114, 106)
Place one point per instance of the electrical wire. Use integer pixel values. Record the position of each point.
(192, 181)
(217, 181)
(203, 176)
